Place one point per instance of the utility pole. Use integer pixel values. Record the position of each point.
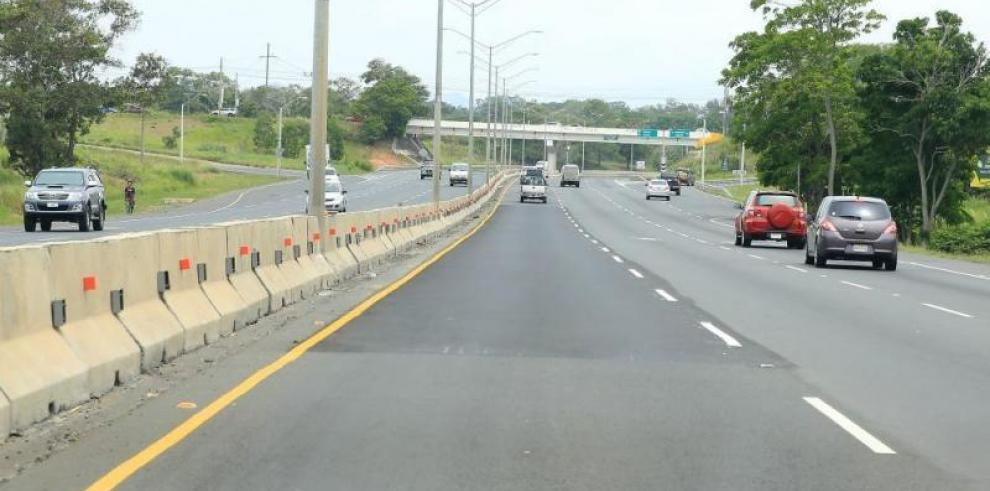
(508, 133)
(438, 107)
(704, 147)
(222, 87)
(182, 133)
(742, 157)
(488, 134)
(470, 185)
(278, 149)
(268, 60)
(524, 139)
(318, 110)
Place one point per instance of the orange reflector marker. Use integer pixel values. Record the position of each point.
(333, 232)
(89, 283)
(245, 250)
(287, 242)
(353, 229)
(316, 237)
(185, 264)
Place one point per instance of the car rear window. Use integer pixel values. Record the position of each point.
(459, 167)
(859, 210)
(772, 199)
(59, 178)
(332, 187)
(657, 182)
(533, 181)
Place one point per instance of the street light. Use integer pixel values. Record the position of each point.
(704, 145)
(438, 107)
(515, 89)
(507, 141)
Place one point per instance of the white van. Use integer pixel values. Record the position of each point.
(570, 175)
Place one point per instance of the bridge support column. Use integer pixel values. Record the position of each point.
(551, 157)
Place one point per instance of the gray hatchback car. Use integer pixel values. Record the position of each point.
(852, 228)
(73, 195)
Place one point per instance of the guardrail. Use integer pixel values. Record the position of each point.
(79, 318)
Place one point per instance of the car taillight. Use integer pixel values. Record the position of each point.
(827, 225)
(751, 213)
(891, 229)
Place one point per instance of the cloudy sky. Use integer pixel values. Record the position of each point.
(638, 51)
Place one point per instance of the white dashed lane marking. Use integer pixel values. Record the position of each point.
(947, 310)
(864, 437)
(636, 273)
(666, 296)
(727, 339)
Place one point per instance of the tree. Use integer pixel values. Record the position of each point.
(928, 97)
(146, 85)
(806, 44)
(335, 137)
(52, 54)
(265, 135)
(387, 106)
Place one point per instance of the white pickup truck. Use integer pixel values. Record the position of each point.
(459, 173)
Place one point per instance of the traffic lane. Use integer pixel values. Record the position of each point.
(889, 359)
(948, 293)
(564, 371)
(407, 191)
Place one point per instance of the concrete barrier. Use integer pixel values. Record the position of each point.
(352, 235)
(39, 373)
(268, 255)
(314, 248)
(242, 250)
(235, 313)
(298, 282)
(83, 275)
(152, 325)
(4, 417)
(335, 249)
(179, 271)
(298, 228)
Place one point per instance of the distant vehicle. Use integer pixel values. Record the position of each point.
(426, 169)
(533, 187)
(534, 173)
(570, 175)
(459, 173)
(772, 215)
(226, 112)
(526, 168)
(309, 159)
(74, 195)
(334, 196)
(331, 176)
(657, 188)
(852, 228)
(686, 176)
(673, 181)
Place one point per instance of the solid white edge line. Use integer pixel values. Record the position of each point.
(754, 256)
(727, 339)
(666, 296)
(857, 285)
(635, 273)
(864, 437)
(948, 311)
(795, 268)
(617, 259)
(605, 249)
(950, 271)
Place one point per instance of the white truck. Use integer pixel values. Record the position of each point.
(459, 173)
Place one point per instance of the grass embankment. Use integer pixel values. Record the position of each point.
(160, 182)
(218, 139)
(713, 161)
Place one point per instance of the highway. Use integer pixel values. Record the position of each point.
(603, 341)
(367, 192)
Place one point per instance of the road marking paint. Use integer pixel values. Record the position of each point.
(724, 248)
(635, 273)
(895, 294)
(754, 256)
(857, 285)
(135, 463)
(728, 340)
(726, 225)
(605, 249)
(586, 236)
(948, 311)
(823, 276)
(950, 271)
(593, 241)
(795, 268)
(649, 239)
(617, 259)
(580, 230)
(852, 428)
(666, 296)
(686, 236)
(702, 241)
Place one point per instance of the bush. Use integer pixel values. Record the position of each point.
(172, 141)
(212, 147)
(183, 175)
(962, 239)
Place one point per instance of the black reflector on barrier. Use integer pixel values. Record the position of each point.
(117, 301)
(296, 251)
(231, 266)
(255, 260)
(201, 272)
(278, 258)
(58, 313)
(163, 283)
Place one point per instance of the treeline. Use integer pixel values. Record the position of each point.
(907, 121)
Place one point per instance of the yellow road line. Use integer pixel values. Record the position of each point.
(129, 467)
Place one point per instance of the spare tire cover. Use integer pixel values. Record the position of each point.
(781, 215)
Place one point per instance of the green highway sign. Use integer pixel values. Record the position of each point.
(648, 133)
(680, 133)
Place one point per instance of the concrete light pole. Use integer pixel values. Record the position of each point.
(704, 147)
(438, 108)
(318, 110)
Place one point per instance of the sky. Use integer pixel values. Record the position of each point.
(638, 51)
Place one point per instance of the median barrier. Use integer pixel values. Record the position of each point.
(39, 373)
(335, 250)
(380, 232)
(314, 247)
(87, 279)
(4, 417)
(212, 254)
(303, 248)
(373, 250)
(179, 275)
(241, 253)
(352, 234)
(299, 282)
(152, 325)
(267, 257)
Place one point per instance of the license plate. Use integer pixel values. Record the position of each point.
(776, 236)
(51, 205)
(862, 249)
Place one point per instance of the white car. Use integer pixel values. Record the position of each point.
(459, 173)
(533, 187)
(658, 188)
(334, 196)
(331, 176)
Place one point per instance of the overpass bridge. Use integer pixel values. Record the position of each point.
(552, 134)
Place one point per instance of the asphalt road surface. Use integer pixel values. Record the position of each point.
(606, 342)
(368, 192)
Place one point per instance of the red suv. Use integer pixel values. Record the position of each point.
(772, 215)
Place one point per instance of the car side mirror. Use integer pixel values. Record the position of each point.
(343, 192)
(27, 184)
(306, 191)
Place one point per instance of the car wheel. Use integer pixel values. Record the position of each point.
(46, 226)
(878, 263)
(577, 185)
(544, 201)
(29, 224)
(808, 259)
(678, 192)
(668, 198)
(98, 224)
(647, 197)
(522, 200)
(747, 241)
(738, 239)
(793, 244)
(84, 221)
(890, 264)
(820, 261)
